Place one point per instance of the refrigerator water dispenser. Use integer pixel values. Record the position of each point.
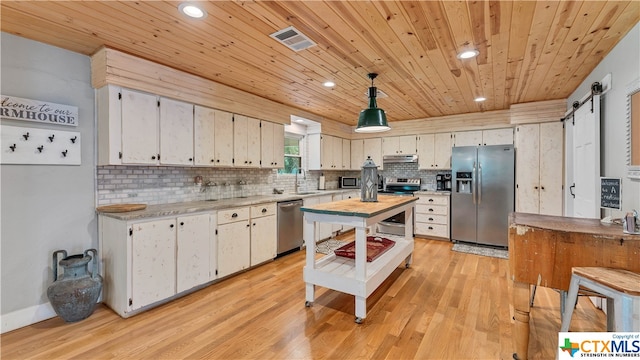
(463, 182)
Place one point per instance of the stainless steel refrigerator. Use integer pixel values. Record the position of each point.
(482, 195)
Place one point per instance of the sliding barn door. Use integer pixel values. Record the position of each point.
(582, 159)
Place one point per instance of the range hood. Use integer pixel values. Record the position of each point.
(388, 159)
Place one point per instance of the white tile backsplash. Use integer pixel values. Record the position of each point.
(166, 184)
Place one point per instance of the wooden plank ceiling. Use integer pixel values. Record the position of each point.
(529, 50)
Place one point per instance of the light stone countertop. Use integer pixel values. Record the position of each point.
(175, 209)
(431, 192)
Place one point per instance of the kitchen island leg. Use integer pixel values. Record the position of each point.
(521, 307)
(361, 309)
(310, 294)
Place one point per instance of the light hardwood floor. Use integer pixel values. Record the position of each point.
(448, 305)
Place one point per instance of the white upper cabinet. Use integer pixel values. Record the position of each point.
(373, 148)
(272, 144)
(240, 140)
(223, 138)
(539, 165)
(442, 150)
(253, 143)
(139, 128)
(426, 154)
(213, 137)
(346, 154)
(434, 151)
(325, 152)
(176, 132)
(467, 138)
(497, 136)
(357, 154)
(204, 130)
(484, 137)
(246, 141)
(398, 145)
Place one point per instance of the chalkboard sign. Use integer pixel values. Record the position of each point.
(610, 193)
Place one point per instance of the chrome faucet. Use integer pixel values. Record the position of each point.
(304, 177)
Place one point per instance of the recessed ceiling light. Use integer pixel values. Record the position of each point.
(192, 11)
(329, 84)
(480, 99)
(468, 54)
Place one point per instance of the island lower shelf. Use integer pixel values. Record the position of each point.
(339, 273)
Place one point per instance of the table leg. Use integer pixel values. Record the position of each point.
(521, 309)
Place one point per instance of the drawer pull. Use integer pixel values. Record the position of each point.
(431, 210)
(234, 215)
(182, 223)
(264, 210)
(171, 226)
(430, 200)
(430, 219)
(430, 227)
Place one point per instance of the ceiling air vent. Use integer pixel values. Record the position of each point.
(293, 39)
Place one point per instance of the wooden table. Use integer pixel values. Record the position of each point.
(356, 276)
(543, 249)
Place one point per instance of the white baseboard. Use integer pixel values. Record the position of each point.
(23, 317)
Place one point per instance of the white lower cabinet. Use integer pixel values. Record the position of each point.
(264, 233)
(153, 262)
(192, 257)
(432, 215)
(234, 241)
(247, 236)
(146, 262)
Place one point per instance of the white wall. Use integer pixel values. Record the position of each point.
(623, 63)
(44, 207)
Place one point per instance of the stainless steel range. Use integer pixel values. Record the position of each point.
(397, 187)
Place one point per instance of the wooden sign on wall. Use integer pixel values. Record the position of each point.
(16, 108)
(610, 193)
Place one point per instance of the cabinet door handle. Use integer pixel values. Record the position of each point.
(234, 215)
(248, 225)
(171, 226)
(182, 223)
(542, 187)
(190, 159)
(264, 210)
(213, 160)
(153, 157)
(535, 187)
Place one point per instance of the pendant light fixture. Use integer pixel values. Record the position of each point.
(372, 119)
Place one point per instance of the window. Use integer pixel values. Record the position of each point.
(292, 154)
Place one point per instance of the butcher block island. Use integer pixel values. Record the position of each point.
(357, 276)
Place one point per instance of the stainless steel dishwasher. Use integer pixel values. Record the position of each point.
(289, 226)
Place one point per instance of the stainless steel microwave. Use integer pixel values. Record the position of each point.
(349, 182)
